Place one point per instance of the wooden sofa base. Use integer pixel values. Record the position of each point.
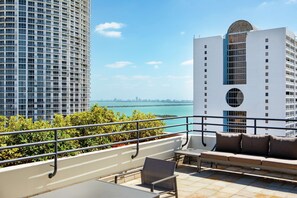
(269, 168)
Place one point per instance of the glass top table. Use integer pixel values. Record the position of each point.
(97, 188)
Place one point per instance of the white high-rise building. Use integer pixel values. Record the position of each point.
(248, 73)
(44, 57)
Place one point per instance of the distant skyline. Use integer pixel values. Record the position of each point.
(144, 48)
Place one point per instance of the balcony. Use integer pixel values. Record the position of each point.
(35, 178)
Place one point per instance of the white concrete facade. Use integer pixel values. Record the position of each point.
(31, 179)
(270, 65)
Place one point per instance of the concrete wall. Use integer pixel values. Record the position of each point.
(256, 69)
(31, 179)
(209, 74)
(196, 141)
(209, 79)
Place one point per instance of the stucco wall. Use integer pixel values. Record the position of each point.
(31, 179)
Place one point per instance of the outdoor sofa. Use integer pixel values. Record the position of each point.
(254, 151)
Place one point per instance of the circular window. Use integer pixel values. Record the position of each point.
(234, 97)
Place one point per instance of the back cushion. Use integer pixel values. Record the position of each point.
(255, 144)
(285, 148)
(228, 142)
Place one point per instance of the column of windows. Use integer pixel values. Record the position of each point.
(266, 78)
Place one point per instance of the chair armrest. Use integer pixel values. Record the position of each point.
(161, 180)
(123, 174)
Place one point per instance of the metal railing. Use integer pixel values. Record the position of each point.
(249, 123)
(183, 124)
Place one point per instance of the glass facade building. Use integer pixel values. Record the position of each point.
(44, 57)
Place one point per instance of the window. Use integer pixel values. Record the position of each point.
(266, 53)
(205, 70)
(266, 60)
(205, 64)
(266, 73)
(266, 46)
(205, 46)
(266, 94)
(235, 125)
(205, 52)
(266, 67)
(266, 107)
(266, 80)
(234, 97)
(266, 114)
(205, 58)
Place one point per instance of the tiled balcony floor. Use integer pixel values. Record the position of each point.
(230, 182)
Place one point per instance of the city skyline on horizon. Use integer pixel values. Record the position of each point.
(136, 53)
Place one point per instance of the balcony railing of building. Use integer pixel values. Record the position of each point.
(183, 125)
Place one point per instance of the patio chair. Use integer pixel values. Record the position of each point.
(157, 175)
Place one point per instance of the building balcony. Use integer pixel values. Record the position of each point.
(35, 178)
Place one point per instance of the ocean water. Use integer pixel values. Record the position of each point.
(156, 108)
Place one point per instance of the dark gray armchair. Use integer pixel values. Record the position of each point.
(157, 175)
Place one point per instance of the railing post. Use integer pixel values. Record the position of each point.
(51, 175)
(202, 131)
(137, 145)
(255, 126)
(187, 128)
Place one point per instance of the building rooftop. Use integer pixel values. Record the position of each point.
(230, 182)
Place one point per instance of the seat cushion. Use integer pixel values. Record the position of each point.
(228, 142)
(284, 148)
(255, 144)
(216, 155)
(280, 163)
(246, 159)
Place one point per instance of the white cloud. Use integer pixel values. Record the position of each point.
(182, 33)
(187, 62)
(119, 64)
(108, 29)
(291, 1)
(155, 63)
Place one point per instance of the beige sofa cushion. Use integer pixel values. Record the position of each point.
(246, 159)
(228, 142)
(280, 163)
(255, 144)
(216, 155)
(284, 148)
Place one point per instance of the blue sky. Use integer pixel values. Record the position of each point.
(143, 48)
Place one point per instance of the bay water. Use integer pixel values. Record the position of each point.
(158, 108)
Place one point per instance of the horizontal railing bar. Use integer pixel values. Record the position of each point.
(90, 125)
(246, 118)
(27, 144)
(118, 133)
(247, 126)
(114, 143)
(26, 158)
